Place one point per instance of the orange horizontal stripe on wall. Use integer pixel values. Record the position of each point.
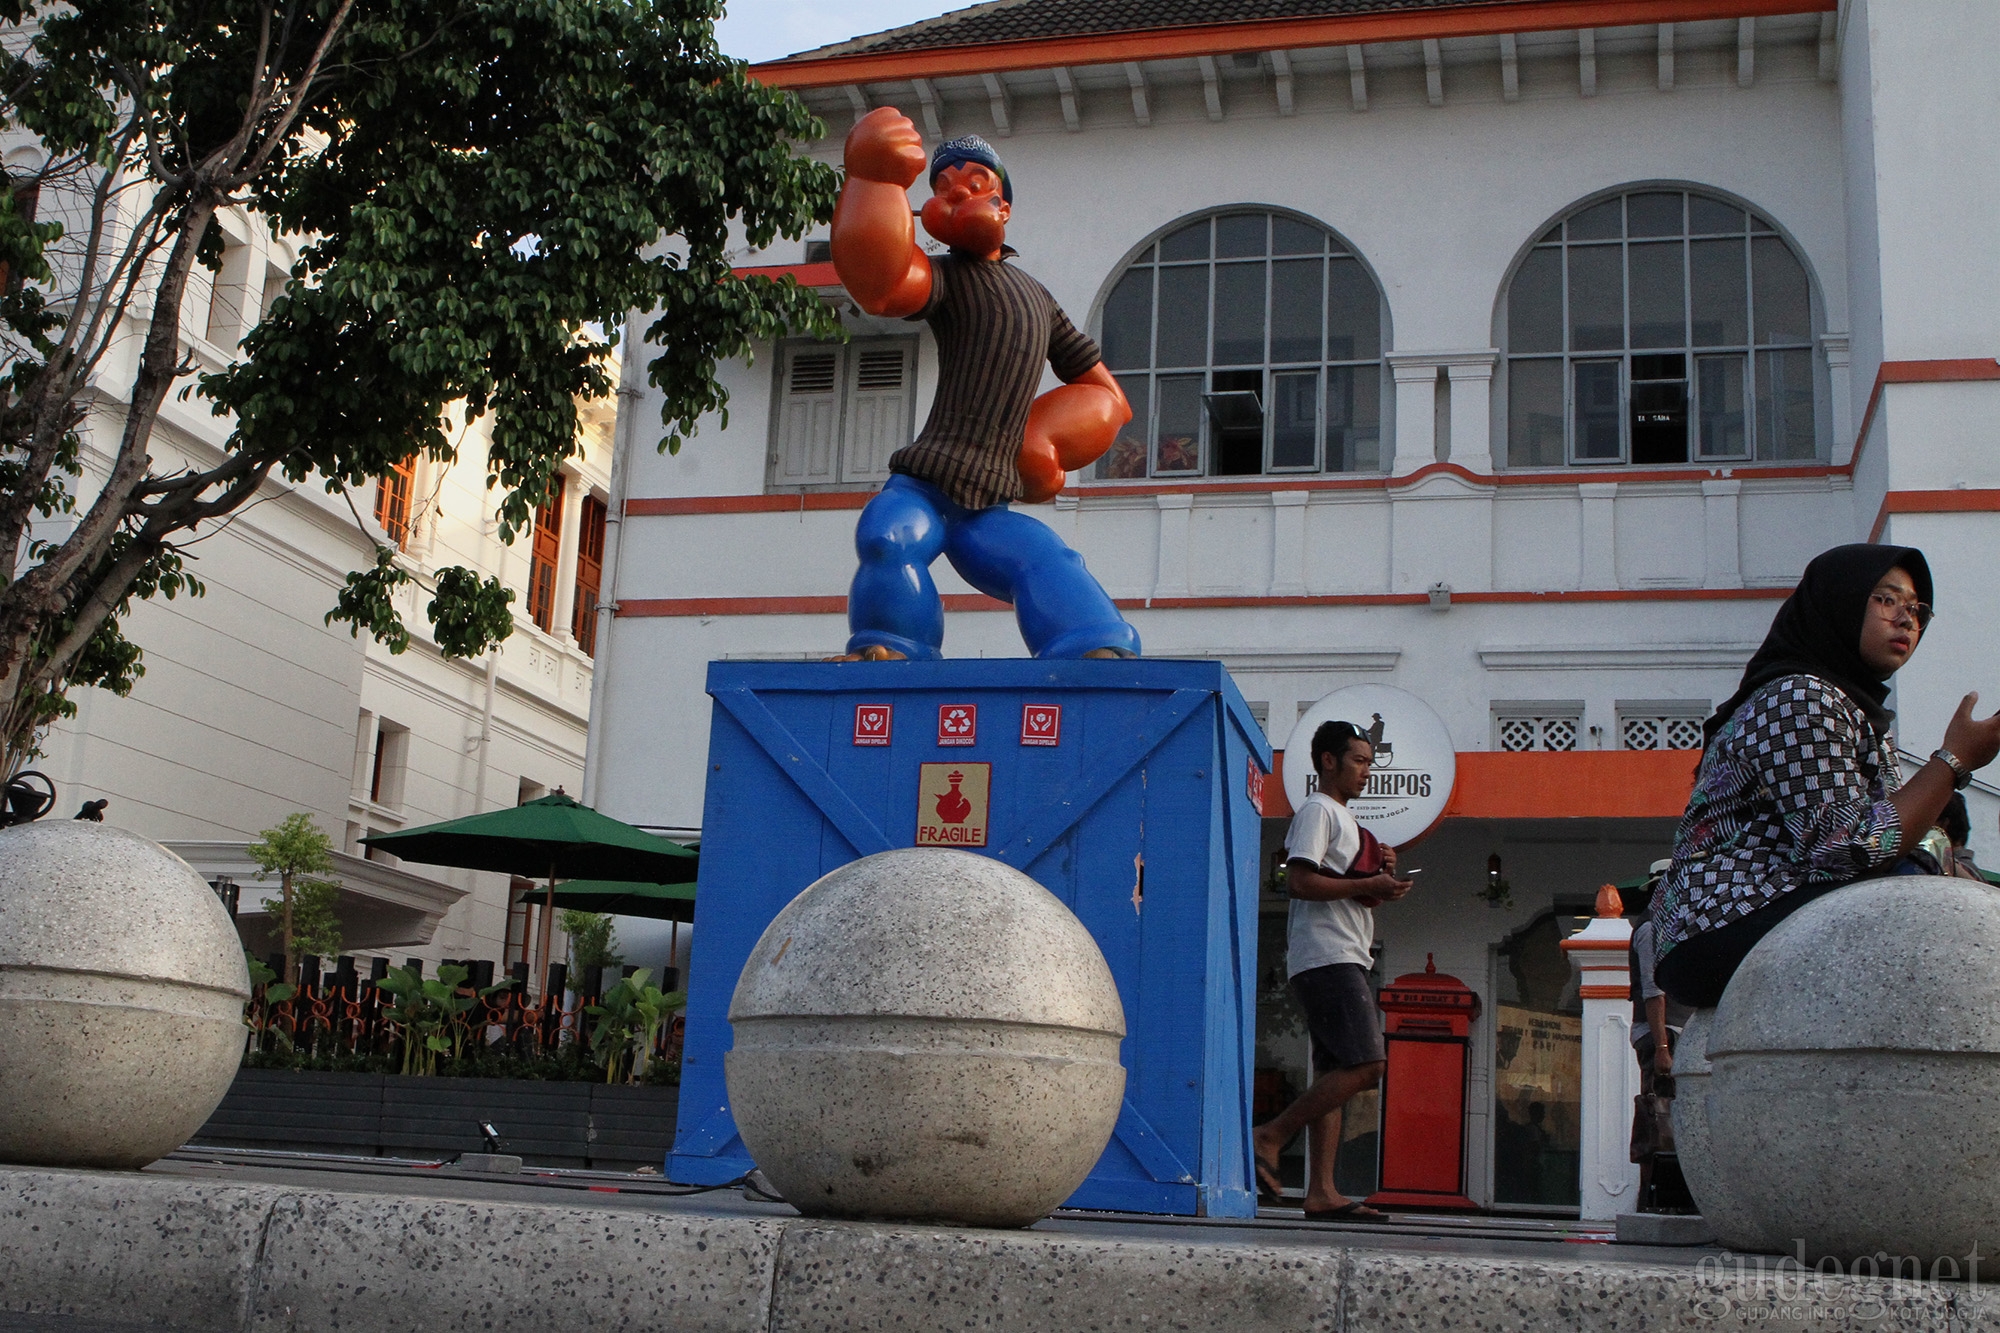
(1933, 502)
(807, 275)
(644, 607)
(1263, 35)
(1583, 784)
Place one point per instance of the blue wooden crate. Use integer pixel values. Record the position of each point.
(1141, 818)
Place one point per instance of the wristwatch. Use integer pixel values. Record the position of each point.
(1960, 774)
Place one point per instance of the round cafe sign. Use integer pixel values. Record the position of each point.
(1414, 761)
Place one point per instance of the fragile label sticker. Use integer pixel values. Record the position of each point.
(871, 723)
(952, 804)
(958, 724)
(1041, 724)
(1254, 788)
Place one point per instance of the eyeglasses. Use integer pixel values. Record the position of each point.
(1895, 608)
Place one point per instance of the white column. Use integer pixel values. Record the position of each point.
(1598, 567)
(1416, 415)
(1471, 413)
(1723, 556)
(1176, 512)
(1607, 1179)
(1288, 543)
(1840, 389)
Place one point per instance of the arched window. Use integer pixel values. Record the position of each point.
(1660, 326)
(1248, 343)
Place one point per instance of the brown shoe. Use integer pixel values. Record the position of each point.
(874, 652)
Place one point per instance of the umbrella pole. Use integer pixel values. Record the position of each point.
(548, 926)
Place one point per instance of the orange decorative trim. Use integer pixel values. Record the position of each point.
(1580, 784)
(671, 507)
(1605, 992)
(807, 275)
(1933, 502)
(1955, 371)
(837, 605)
(1261, 35)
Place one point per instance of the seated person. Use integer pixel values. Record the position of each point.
(1798, 791)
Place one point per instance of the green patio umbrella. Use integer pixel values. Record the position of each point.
(556, 837)
(660, 902)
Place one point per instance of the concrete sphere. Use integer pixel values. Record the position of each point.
(122, 985)
(1856, 1061)
(1720, 1208)
(927, 1035)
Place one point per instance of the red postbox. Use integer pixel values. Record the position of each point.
(1428, 1033)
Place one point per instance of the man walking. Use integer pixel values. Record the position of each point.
(1336, 873)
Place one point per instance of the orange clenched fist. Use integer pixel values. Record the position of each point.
(884, 146)
(1069, 428)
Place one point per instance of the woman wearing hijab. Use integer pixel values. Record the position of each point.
(1798, 791)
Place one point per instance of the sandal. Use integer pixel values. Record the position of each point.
(1354, 1211)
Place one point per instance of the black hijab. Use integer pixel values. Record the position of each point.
(1817, 632)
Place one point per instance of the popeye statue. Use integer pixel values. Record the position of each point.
(989, 439)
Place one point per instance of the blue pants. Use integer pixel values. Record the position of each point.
(1062, 610)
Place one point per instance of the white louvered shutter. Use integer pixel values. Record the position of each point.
(808, 416)
(878, 408)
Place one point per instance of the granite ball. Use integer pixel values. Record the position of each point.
(1720, 1208)
(122, 984)
(926, 1035)
(1856, 1058)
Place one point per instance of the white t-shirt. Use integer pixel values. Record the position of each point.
(1326, 834)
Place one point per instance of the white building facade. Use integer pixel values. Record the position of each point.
(252, 707)
(1518, 365)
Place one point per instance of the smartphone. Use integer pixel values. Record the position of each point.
(1409, 874)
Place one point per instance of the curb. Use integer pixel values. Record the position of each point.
(228, 1258)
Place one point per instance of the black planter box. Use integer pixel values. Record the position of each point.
(388, 1115)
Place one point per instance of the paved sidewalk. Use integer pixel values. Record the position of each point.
(227, 1246)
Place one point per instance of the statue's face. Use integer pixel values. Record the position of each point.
(965, 209)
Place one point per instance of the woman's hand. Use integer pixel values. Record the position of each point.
(1973, 742)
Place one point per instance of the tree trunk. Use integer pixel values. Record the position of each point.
(291, 955)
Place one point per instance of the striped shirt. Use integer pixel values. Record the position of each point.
(995, 327)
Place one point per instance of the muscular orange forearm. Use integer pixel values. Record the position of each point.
(874, 234)
(1069, 428)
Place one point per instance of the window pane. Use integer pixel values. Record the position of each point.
(1128, 321)
(1552, 236)
(1296, 310)
(1658, 318)
(1599, 223)
(1239, 314)
(1596, 298)
(1126, 458)
(1177, 434)
(1295, 420)
(1653, 215)
(1353, 313)
(1594, 411)
(1535, 413)
(1534, 304)
(1712, 215)
(1190, 242)
(1659, 415)
(1719, 400)
(1289, 236)
(1354, 419)
(1240, 235)
(1183, 339)
(1721, 310)
(1780, 296)
(1759, 224)
(1785, 405)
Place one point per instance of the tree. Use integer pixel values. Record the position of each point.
(299, 852)
(593, 939)
(484, 191)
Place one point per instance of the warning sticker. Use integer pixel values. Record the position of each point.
(958, 724)
(1041, 724)
(952, 803)
(871, 723)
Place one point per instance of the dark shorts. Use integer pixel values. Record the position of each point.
(1341, 1014)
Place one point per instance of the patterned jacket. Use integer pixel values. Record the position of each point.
(1794, 790)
